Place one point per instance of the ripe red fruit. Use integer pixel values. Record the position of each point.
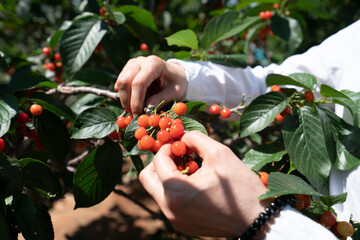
(163, 136)
(176, 130)
(57, 57)
(176, 121)
(51, 66)
(144, 47)
(262, 15)
(345, 229)
(225, 113)
(276, 5)
(180, 108)
(215, 109)
(303, 201)
(267, 15)
(157, 145)
(193, 167)
(275, 88)
(264, 178)
(164, 123)
(121, 122)
(153, 120)
(22, 118)
(115, 135)
(2, 144)
(178, 148)
(128, 119)
(147, 142)
(286, 111)
(328, 219)
(102, 11)
(279, 118)
(140, 132)
(46, 51)
(143, 120)
(139, 146)
(309, 96)
(36, 109)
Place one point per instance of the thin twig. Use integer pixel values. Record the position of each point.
(75, 161)
(72, 90)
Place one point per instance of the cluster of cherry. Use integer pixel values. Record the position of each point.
(52, 62)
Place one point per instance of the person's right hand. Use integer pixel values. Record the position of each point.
(220, 199)
(150, 79)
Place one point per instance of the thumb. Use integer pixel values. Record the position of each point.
(165, 165)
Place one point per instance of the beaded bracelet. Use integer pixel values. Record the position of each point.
(270, 211)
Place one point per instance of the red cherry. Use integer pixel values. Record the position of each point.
(2, 144)
(143, 120)
(193, 167)
(178, 148)
(176, 130)
(328, 219)
(164, 123)
(157, 145)
(144, 47)
(275, 88)
(36, 109)
(140, 132)
(51, 66)
(22, 118)
(128, 119)
(279, 118)
(163, 136)
(264, 178)
(153, 120)
(147, 142)
(46, 51)
(309, 96)
(57, 57)
(215, 109)
(180, 108)
(225, 113)
(120, 121)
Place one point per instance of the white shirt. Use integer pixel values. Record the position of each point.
(335, 62)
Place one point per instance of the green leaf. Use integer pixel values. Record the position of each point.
(332, 200)
(260, 155)
(283, 184)
(237, 59)
(330, 92)
(8, 109)
(182, 55)
(3, 63)
(140, 23)
(95, 76)
(54, 39)
(342, 140)
(288, 29)
(24, 211)
(225, 26)
(43, 227)
(191, 125)
(316, 209)
(116, 46)
(97, 175)
(85, 102)
(4, 228)
(195, 107)
(28, 80)
(304, 140)
(303, 80)
(94, 123)
(183, 38)
(353, 104)
(39, 175)
(53, 135)
(261, 112)
(129, 135)
(79, 41)
(53, 104)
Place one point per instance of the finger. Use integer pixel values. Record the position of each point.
(165, 165)
(203, 145)
(149, 72)
(125, 79)
(149, 178)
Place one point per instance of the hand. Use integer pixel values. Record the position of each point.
(151, 79)
(219, 200)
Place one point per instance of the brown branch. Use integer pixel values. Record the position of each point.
(78, 159)
(72, 90)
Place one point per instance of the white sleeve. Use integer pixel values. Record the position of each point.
(334, 62)
(292, 225)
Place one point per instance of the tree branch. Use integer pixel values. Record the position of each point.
(72, 90)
